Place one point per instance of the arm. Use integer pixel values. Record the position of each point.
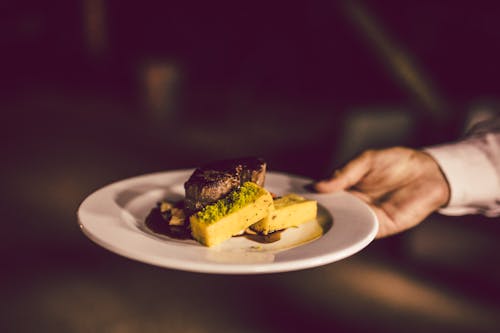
(472, 169)
(403, 186)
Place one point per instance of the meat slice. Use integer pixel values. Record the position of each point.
(213, 181)
(207, 186)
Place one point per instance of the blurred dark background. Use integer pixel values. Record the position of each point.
(94, 91)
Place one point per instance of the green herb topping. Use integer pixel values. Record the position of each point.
(235, 200)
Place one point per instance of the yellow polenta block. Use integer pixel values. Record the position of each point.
(231, 215)
(290, 210)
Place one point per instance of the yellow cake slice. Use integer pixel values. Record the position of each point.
(290, 210)
(231, 215)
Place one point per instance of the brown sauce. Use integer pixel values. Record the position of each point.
(158, 224)
(265, 239)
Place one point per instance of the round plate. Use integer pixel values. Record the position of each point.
(114, 216)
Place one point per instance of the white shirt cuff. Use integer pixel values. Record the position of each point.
(470, 174)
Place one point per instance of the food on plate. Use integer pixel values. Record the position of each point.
(290, 210)
(228, 198)
(213, 181)
(231, 215)
(169, 219)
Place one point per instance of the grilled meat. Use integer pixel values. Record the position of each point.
(207, 186)
(213, 181)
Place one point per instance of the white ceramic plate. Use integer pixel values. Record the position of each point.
(113, 217)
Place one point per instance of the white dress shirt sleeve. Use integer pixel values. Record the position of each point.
(472, 169)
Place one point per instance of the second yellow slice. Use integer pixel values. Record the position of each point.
(290, 210)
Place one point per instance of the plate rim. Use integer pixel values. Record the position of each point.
(231, 268)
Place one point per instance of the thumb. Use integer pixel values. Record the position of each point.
(348, 176)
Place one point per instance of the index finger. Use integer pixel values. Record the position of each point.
(349, 175)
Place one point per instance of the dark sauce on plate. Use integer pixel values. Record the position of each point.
(264, 239)
(158, 223)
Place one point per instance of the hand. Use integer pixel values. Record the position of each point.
(403, 186)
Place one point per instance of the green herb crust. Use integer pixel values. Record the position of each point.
(235, 200)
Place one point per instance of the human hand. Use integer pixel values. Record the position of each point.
(403, 186)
